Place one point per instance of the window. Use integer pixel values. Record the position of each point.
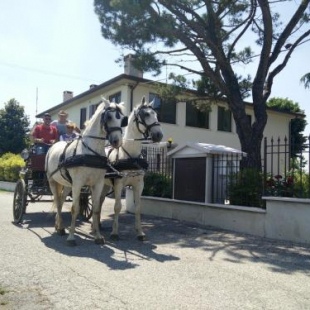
(224, 119)
(92, 109)
(195, 117)
(82, 118)
(117, 97)
(249, 118)
(166, 110)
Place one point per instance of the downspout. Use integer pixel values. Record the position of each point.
(132, 87)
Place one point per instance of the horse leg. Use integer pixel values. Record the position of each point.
(96, 191)
(56, 190)
(104, 192)
(75, 210)
(118, 186)
(137, 192)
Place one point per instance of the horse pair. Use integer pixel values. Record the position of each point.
(69, 167)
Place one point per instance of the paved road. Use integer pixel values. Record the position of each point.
(181, 266)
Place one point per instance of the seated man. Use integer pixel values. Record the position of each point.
(44, 135)
(62, 122)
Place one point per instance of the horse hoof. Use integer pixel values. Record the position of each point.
(100, 241)
(61, 232)
(71, 242)
(114, 237)
(141, 238)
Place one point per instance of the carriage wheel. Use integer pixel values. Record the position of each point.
(19, 202)
(86, 206)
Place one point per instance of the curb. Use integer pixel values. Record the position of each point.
(7, 186)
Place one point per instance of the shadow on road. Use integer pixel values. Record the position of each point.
(123, 254)
(216, 244)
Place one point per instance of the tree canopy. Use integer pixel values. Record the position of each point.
(305, 79)
(213, 39)
(297, 126)
(14, 126)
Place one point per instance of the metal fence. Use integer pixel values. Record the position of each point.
(158, 177)
(286, 170)
(219, 168)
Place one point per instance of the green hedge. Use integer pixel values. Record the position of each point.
(10, 165)
(157, 185)
(245, 188)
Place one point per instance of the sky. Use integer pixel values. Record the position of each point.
(47, 47)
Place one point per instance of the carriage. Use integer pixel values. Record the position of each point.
(86, 161)
(33, 186)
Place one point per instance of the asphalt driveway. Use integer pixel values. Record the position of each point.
(180, 266)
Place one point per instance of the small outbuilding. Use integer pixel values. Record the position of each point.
(201, 171)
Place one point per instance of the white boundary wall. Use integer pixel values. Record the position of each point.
(7, 186)
(286, 219)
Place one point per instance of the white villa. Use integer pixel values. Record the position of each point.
(180, 121)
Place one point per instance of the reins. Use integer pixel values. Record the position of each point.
(95, 160)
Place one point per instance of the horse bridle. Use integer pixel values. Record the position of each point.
(107, 129)
(118, 112)
(139, 120)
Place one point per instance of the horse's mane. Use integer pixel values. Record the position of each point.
(120, 106)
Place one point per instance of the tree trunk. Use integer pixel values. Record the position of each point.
(252, 147)
(251, 135)
(251, 138)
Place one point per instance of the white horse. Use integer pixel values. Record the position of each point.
(84, 162)
(142, 124)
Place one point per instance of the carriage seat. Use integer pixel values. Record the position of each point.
(37, 162)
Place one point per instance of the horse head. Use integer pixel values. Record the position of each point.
(147, 121)
(107, 123)
(112, 121)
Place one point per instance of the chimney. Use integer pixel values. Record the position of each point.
(92, 86)
(129, 67)
(67, 95)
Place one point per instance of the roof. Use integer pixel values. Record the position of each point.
(120, 78)
(204, 148)
(125, 78)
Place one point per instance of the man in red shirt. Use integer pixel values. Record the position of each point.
(44, 135)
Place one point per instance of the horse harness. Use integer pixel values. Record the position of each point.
(94, 160)
(102, 162)
(130, 163)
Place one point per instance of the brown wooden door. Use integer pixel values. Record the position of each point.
(190, 179)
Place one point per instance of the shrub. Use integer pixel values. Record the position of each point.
(157, 185)
(10, 165)
(279, 186)
(294, 184)
(245, 188)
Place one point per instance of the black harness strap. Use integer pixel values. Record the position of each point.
(66, 175)
(130, 164)
(85, 160)
(61, 159)
(89, 148)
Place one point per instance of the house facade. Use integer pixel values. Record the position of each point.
(180, 121)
